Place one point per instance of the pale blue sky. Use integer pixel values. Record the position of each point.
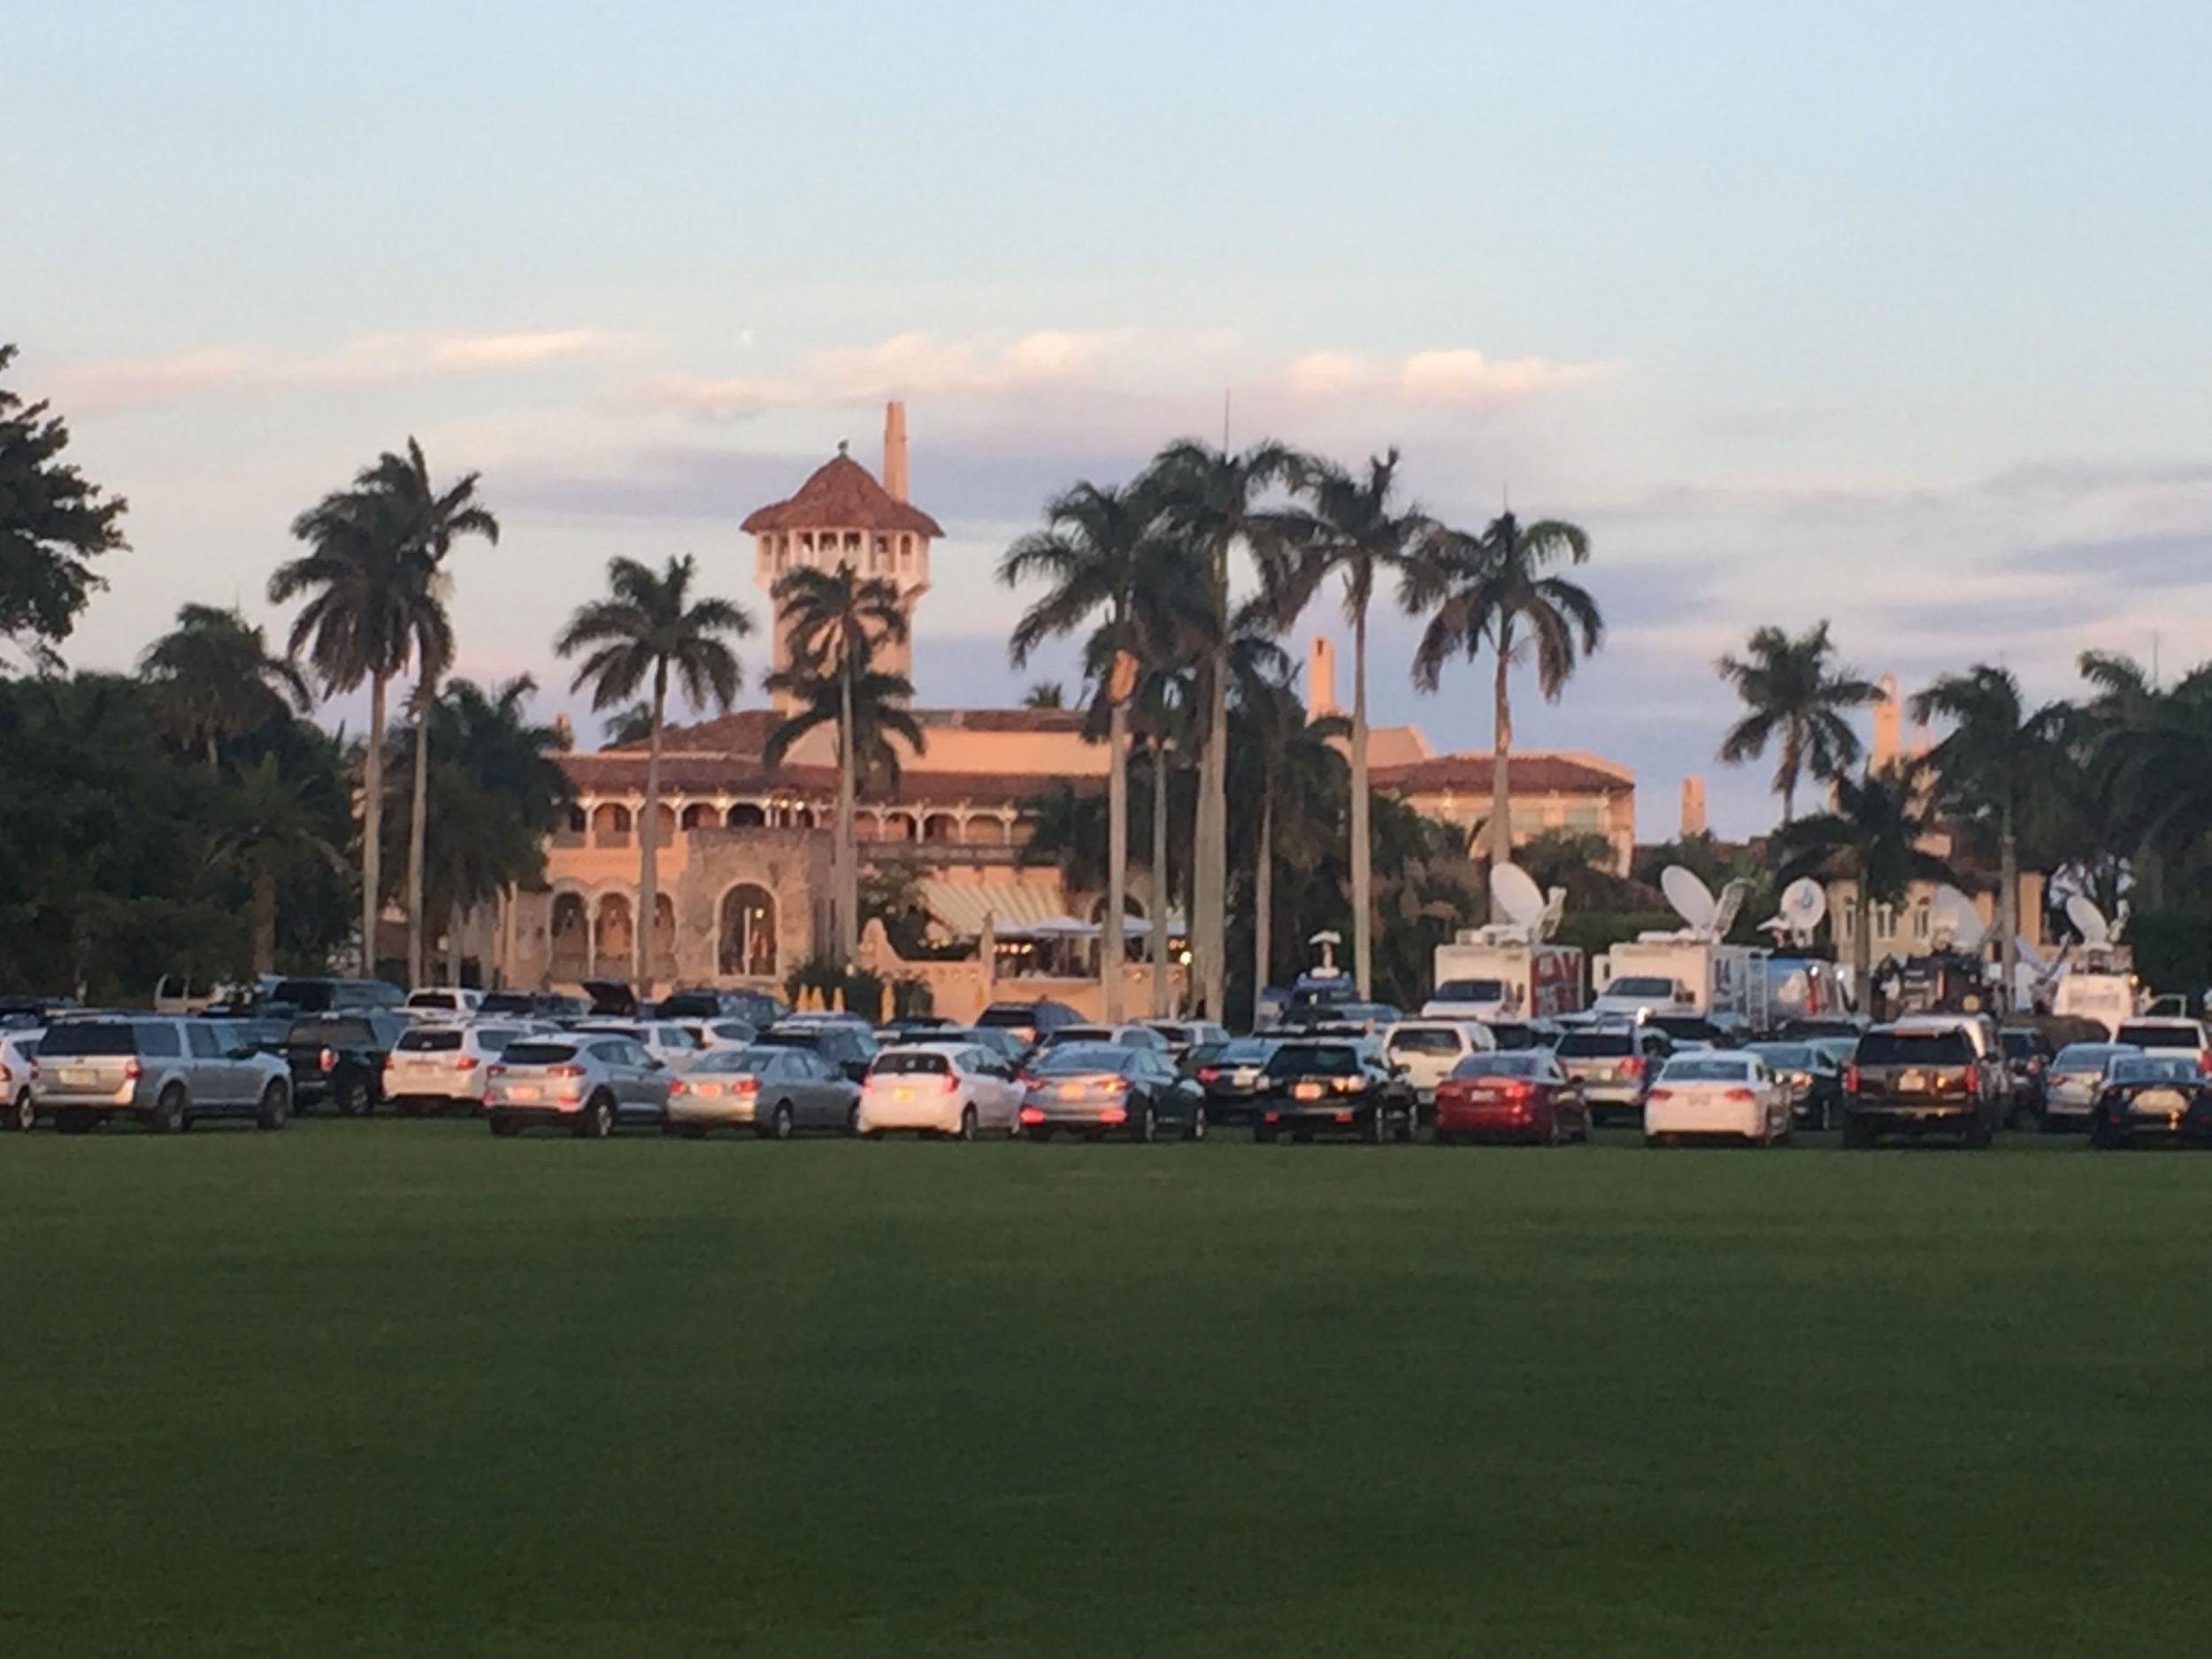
(1895, 314)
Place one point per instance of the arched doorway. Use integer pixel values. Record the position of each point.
(663, 937)
(615, 935)
(746, 814)
(749, 932)
(568, 957)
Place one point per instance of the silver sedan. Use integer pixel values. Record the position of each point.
(777, 1092)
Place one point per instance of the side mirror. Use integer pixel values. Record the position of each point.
(655, 1062)
(854, 1070)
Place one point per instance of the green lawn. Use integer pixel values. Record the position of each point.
(392, 1388)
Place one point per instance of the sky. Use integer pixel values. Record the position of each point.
(1891, 314)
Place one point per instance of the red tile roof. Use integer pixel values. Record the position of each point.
(623, 771)
(1469, 773)
(842, 494)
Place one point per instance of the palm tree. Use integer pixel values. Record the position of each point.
(1797, 697)
(1354, 529)
(216, 680)
(1986, 771)
(648, 629)
(432, 521)
(1214, 500)
(267, 827)
(1491, 588)
(1046, 694)
(834, 619)
(373, 609)
(1099, 551)
(1871, 837)
(1291, 761)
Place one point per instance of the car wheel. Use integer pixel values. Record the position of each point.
(780, 1123)
(596, 1121)
(967, 1123)
(1040, 1132)
(1144, 1126)
(1262, 1131)
(852, 1119)
(353, 1096)
(1372, 1131)
(1858, 1135)
(169, 1116)
(276, 1106)
(504, 1126)
(22, 1116)
(1980, 1133)
(2102, 1136)
(1196, 1130)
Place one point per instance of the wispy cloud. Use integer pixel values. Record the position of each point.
(1460, 378)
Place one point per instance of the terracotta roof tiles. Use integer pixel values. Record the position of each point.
(842, 494)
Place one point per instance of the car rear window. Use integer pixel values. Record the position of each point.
(2090, 1057)
(433, 999)
(495, 1038)
(1523, 1063)
(1915, 1048)
(1471, 991)
(1584, 1045)
(1003, 1015)
(2158, 1036)
(1431, 1041)
(530, 1053)
(330, 1033)
(1081, 1056)
(1323, 1059)
(90, 1037)
(507, 1002)
(2145, 1068)
(1703, 1071)
(910, 1062)
(1246, 1051)
(430, 1042)
(1787, 1059)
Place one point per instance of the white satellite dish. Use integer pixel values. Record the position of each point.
(1952, 915)
(1516, 896)
(2088, 920)
(1692, 899)
(1803, 905)
(1731, 898)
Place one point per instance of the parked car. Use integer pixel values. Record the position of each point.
(1717, 1094)
(2075, 1080)
(2168, 1036)
(19, 1048)
(1345, 1017)
(1517, 1094)
(720, 1033)
(1427, 1049)
(1813, 1076)
(1130, 1036)
(1183, 1035)
(776, 1092)
(909, 1024)
(847, 1044)
(2027, 1060)
(443, 1001)
(317, 994)
(1615, 1063)
(164, 1072)
(550, 1006)
(1094, 1089)
(1924, 1075)
(1033, 1022)
(757, 1009)
(438, 1067)
(340, 1057)
(585, 1082)
(2152, 1097)
(1526, 1033)
(1232, 1077)
(1321, 1085)
(951, 1088)
(671, 1043)
(1483, 999)
(1006, 1043)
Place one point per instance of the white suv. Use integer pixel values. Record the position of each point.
(436, 1067)
(165, 1074)
(1427, 1049)
(19, 1049)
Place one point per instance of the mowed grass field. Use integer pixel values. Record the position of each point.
(399, 1388)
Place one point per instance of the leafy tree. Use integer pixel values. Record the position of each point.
(1872, 838)
(215, 681)
(650, 628)
(267, 828)
(1580, 861)
(1496, 589)
(1353, 528)
(834, 619)
(1798, 698)
(53, 524)
(892, 893)
(1046, 694)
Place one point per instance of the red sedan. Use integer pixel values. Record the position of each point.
(1517, 1095)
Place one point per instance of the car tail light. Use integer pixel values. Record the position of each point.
(951, 1083)
(1272, 1117)
(565, 1070)
(1633, 1066)
(1738, 1094)
(1033, 1114)
(1112, 1115)
(1347, 1085)
(677, 1085)
(1210, 1074)
(496, 1069)
(1966, 1080)
(745, 1086)
(327, 1060)
(2204, 1061)
(1518, 1091)
(1114, 1085)
(466, 1063)
(1851, 1079)
(1344, 1118)
(133, 1068)
(1662, 1095)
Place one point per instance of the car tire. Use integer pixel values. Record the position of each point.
(1445, 1138)
(276, 1111)
(1979, 1134)
(1372, 1131)
(170, 1114)
(1196, 1130)
(852, 1119)
(966, 1131)
(1858, 1136)
(351, 1096)
(780, 1121)
(595, 1122)
(22, 1116)
(1144, 1127)
(2102, 1136)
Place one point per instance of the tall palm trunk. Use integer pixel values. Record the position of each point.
(453, 945)
(848, 872)
(1209, 921)
(1264, 890)
(2007, 910)
(265, 909)
(1111, 955)
(646, 928)
(1163, 899)
(1862, 944)
(1502, 759)
(372, 824)
(417, 819)
(1362, 850)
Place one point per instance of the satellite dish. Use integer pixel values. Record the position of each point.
(1516, 896)
(1953, 913)
(1692, 899)
(1804, 904)
(2087, 920)
(1731, 898)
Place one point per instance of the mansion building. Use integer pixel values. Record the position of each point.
(744, 867)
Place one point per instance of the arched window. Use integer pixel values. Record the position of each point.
(941, 827)
(570, 948)
(699, 814)
(745, 815)
(986, 830)
(748, 933)
(615, 933)
(663, 937)
(804, 818)
(611, 825)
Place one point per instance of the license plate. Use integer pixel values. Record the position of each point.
(79, 1076)
(1305, 1091)
(1911, 1082)
(901, 1093)
(522, 1091)
(1071, 1091)
(1245, 1076)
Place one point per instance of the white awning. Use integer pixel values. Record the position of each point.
(959, 907)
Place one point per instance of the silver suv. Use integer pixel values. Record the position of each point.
(163, 1072)
(587, 1081)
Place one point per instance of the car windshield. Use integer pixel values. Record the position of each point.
(2091, 1057)
(1915, 1048)
(429, 1042)
(433, 999)
(1705, 1068)
(1523, 1063)
(1582, 1045)
(1471, 991)
(2153, 1069)
(329, 1033)
(1432, 1040)
(495, 1038)
(746, 1059)
(1641, 985)
(506, 1003)
(528, 1052)
(2148, 1036)
(88, 1037)
(1306, 1059)
(1001, 1014)
(1787, 1057)
(1080, 1057)
(910, 1063)
(1512, 1036)
(1246, 1051)
(1079, 1034)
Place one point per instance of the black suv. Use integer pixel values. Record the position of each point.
(340, 1058)
(1333, 1084)
(1914, 1078)
(2028, 1055)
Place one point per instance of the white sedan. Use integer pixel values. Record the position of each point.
(948, 1089)
(1716, 1093)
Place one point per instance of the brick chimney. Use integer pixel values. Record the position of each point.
(894, 450)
